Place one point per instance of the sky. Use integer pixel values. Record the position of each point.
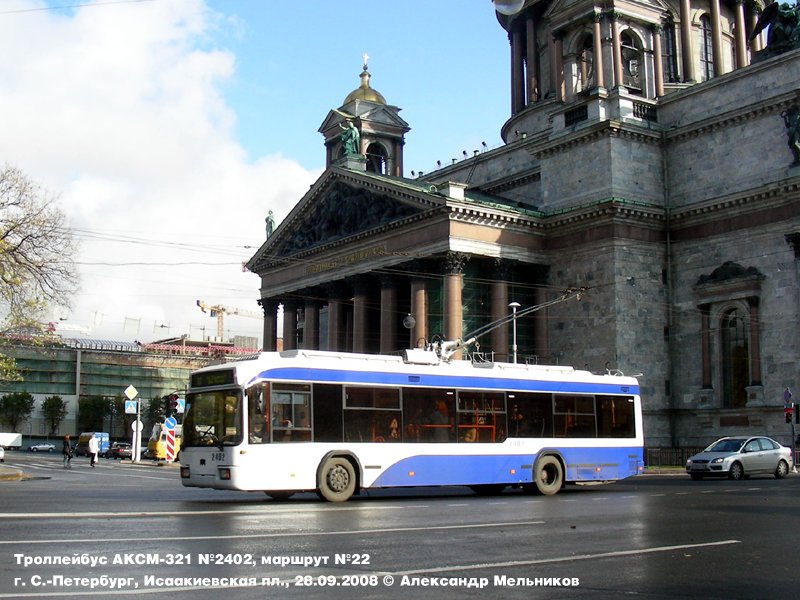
(167, 129)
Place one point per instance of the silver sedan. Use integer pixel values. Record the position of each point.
(738, 457)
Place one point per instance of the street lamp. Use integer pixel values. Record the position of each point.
(514, 306)
(508, 7)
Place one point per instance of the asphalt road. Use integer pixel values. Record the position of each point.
(135, 526)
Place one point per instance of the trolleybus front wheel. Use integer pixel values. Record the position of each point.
(337, 479)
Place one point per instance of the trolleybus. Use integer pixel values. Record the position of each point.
(337, 423)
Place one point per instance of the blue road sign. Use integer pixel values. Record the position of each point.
(170, 422)
(130, 407)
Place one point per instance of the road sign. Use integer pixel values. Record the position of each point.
(130, 407)
(170, 423)
(131, 392)
(181, 405)
(136, 426)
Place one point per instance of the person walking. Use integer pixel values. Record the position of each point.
(66, 450)
(94, 448)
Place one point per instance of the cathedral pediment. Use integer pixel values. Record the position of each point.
(335, 209)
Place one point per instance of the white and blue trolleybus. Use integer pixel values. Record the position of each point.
(339, 423)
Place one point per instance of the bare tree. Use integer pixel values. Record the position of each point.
(36, 250)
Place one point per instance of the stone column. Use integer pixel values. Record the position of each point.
(687, 56)
(419, 310)
(517, 73)
(389, 316)
(755, 346)
(740, 37)
(499, 308)
(716, 39)
(558, 49)
(311, 326)
(658, 63)
(705, 345)
(541, 339)
(616, 49)
(360, 308)
(289, 325)
(335, 317)
(270, 308)
(599, 78)
(453, 308)
(532, 61)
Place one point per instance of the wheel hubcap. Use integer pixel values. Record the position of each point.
(338, 479)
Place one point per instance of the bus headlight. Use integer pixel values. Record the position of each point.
(225, 474)
(184, 472)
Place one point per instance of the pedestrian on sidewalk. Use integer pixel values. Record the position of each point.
(66, 450)
(94, 449)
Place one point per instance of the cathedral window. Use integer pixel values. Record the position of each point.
(706, 49)
(734, 358)
(669, 54)
(632, 66)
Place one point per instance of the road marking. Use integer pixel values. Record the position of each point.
(249, 536)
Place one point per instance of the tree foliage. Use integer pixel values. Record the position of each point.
(54, 409)
(92, 411)
(16, 408)
(36, 250)
(36, 258)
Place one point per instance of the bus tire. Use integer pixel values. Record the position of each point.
(337, 479)
(548, 475)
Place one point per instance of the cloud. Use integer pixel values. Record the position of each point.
(120, 109)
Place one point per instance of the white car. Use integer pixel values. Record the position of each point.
(738, 457)
(2, 454)
(42, 447)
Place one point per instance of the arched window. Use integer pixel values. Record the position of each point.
(669, 53)
(632, 65)
(706, 49)
(376, 159)
(734, 358)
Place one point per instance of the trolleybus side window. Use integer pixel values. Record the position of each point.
(481, 416)
(258, 414)
(327, 412)
(372, 414)
(429, 415)
(291, 412)
(530, 415)
(574, 416)
(615, 417)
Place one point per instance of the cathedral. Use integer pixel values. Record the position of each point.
(651, 160)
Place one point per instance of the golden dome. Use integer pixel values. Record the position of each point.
(364, 92)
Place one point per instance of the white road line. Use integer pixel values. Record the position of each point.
(250, 536)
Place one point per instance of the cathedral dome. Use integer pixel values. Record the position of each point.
(364, 92)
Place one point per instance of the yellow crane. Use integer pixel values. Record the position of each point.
(219, 311)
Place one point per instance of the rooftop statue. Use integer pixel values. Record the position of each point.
(351, 138)
(783, 21)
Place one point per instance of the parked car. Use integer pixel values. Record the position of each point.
(42, 447)
(119, 450)
(738, 457)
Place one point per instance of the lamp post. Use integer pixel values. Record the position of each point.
(514, 306)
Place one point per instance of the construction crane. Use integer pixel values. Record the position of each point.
(219, 311)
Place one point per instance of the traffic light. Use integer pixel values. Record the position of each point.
(787, 414)
(167, 406)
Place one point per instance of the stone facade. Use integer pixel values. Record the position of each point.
(675, 204)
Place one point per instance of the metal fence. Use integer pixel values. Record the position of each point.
(668, 457)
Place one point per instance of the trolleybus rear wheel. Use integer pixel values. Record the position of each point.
(548, 475)
(337, 479)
